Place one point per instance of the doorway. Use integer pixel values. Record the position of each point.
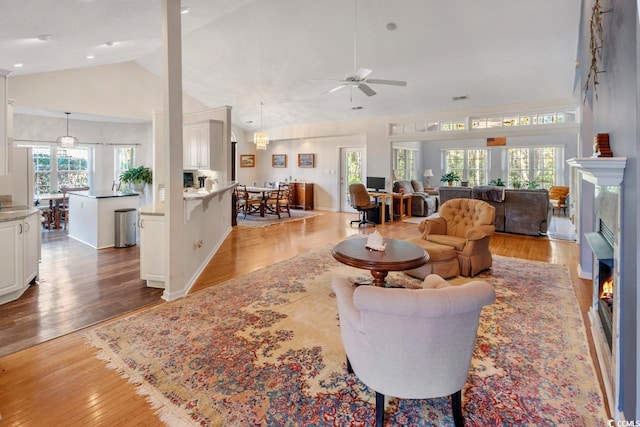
(352, 170)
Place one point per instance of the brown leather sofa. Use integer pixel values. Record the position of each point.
(522, 211)
(465, 225)
(422, 204)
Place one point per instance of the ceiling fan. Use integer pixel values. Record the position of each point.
(358, 78)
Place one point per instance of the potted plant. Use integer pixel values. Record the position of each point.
(497, 182)
(137, 176)
(450, 177)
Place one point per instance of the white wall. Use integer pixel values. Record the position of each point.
(123, 90)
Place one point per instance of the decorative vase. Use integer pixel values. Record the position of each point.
(450, 183)
(138, 187)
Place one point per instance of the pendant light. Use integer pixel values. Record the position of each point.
(67, 141)
(261, 139)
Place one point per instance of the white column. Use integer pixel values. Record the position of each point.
(4, 143)
(174, 204)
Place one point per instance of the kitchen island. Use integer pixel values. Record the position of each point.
(92, 215)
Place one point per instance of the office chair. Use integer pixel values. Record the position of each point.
(361, 201)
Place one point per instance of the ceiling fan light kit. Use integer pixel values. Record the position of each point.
(358, 79)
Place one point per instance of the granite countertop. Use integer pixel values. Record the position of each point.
(11, 212)
(104, 194)
(202, 193)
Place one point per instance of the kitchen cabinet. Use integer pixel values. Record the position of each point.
(203, 146)
(301, 195)
(19, 256)
(152, 249)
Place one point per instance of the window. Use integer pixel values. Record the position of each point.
(470, 164)
(42, 168)
(57, 167)
(124, 160)
(536, 164)
(404, 163)
(73, 167)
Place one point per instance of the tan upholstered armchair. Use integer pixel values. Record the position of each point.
(412, 343)
(467, 226)
(558, 198)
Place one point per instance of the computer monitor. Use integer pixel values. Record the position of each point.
(376, 183)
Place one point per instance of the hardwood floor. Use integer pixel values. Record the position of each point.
(78, 286)
(60, 382)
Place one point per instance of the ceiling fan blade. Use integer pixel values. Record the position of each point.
(335, 89)
(362, 73)
(366, 89)
(387, 82)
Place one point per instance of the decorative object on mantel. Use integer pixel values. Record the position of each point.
(595, 48)
(376, 242)
(601, 146)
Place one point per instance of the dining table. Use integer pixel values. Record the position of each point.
(55, 203)
(264, 194)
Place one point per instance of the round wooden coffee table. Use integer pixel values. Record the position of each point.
(399, 255)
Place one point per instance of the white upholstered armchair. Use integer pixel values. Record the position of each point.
(412, 343)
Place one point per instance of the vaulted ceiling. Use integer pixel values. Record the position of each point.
(286, 53)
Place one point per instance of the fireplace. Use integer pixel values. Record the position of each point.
(603, 236)
(603, 279)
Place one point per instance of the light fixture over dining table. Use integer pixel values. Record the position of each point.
(67, 141)
(261, 139)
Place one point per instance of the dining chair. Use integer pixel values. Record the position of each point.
(63, 210)
(254, 203)
(241, 199)
(278, 201)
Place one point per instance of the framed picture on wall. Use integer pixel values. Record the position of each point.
(247, 160)
(279, 160)
(306, 160)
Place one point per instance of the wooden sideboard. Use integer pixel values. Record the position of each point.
(301, 195)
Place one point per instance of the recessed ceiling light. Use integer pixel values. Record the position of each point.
(18, 65)
(184, 10)
(109, 43)
(392, 26)
(44, 37)
(90, 56)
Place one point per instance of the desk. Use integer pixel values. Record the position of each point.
(383, 201)
(55, 200)
(404, 204)
(399, 255)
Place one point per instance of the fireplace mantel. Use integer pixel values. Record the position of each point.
(600, 170)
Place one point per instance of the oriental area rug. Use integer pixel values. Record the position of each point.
(271, 219)
(265, 349)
